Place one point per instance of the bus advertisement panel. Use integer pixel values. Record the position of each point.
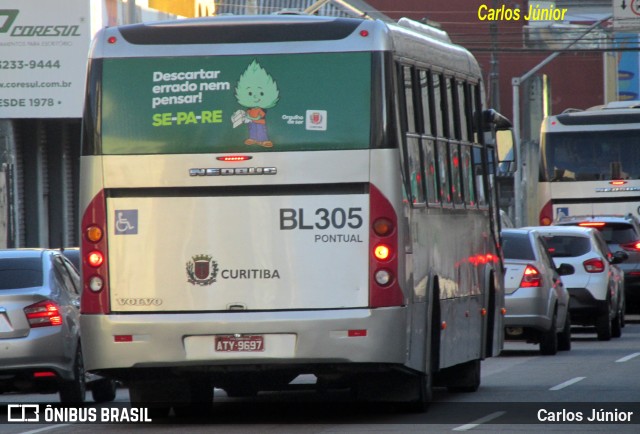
(188, 105)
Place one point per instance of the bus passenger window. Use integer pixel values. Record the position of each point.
(408, 99)
(450, 110)
(431, 177)
(467, 177)
(479, 177)
(456, 187)
(426, 94)
(462, 111)
(443, 172)
(437, 105)
(415, 173)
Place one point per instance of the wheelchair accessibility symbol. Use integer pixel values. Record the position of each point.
(126, 221)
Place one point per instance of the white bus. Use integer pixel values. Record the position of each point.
(589, 163)
(270, 196)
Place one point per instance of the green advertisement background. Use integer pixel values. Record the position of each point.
(339, 83)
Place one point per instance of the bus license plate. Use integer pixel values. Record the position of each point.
(230, 343)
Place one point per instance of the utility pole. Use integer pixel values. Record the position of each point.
(130, 14)
(251, 7)
(494, 76)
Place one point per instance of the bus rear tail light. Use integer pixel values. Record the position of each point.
(43, 314)
(546, 214)
(382, 227)
(384, 288)
(382, 252)
(531, 278)
(631, 247)
(595, 265)
(95, 294)
(95, 258)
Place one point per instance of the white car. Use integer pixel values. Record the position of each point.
(536, 300)
(597, 286)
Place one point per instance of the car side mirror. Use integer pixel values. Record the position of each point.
(566, 269)
(619, 257)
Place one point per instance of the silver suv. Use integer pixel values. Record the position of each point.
(622, 233)
(597, 286)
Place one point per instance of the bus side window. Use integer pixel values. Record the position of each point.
(467, 177)
(426, 94)
(403, 127)
(443, 171)
(408, 99)
(454, 109)
(437, 105)
(456, 187)
(463, 110)
(431, 177)
(479, 176)
(415, 170)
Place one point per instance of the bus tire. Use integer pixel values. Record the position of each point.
(103, 390)
(465, 377)
(425, 395)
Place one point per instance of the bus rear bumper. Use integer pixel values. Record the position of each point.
(164, 340)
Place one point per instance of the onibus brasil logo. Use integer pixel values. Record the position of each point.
(202, 270)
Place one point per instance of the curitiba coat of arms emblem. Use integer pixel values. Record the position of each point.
(202, 270)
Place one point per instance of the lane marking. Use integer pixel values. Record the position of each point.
(567, 383)
(627, 358)
(480, 421)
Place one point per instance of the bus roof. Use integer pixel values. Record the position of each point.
(271, 34)
(616, 115)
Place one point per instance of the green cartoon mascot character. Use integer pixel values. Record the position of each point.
(257, 92)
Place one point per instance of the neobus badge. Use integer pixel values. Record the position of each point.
(217, 171)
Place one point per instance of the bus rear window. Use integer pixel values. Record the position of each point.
(591, 156)
(565, 246)
(221, 104)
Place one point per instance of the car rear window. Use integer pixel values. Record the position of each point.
(517, 246)
(618, 233)
(16, 273)
(565, 246)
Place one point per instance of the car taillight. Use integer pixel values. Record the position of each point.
(531, 278)
(43, 314)
(595, 265)
(95, 294)
(631, 247)
(384, 288)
